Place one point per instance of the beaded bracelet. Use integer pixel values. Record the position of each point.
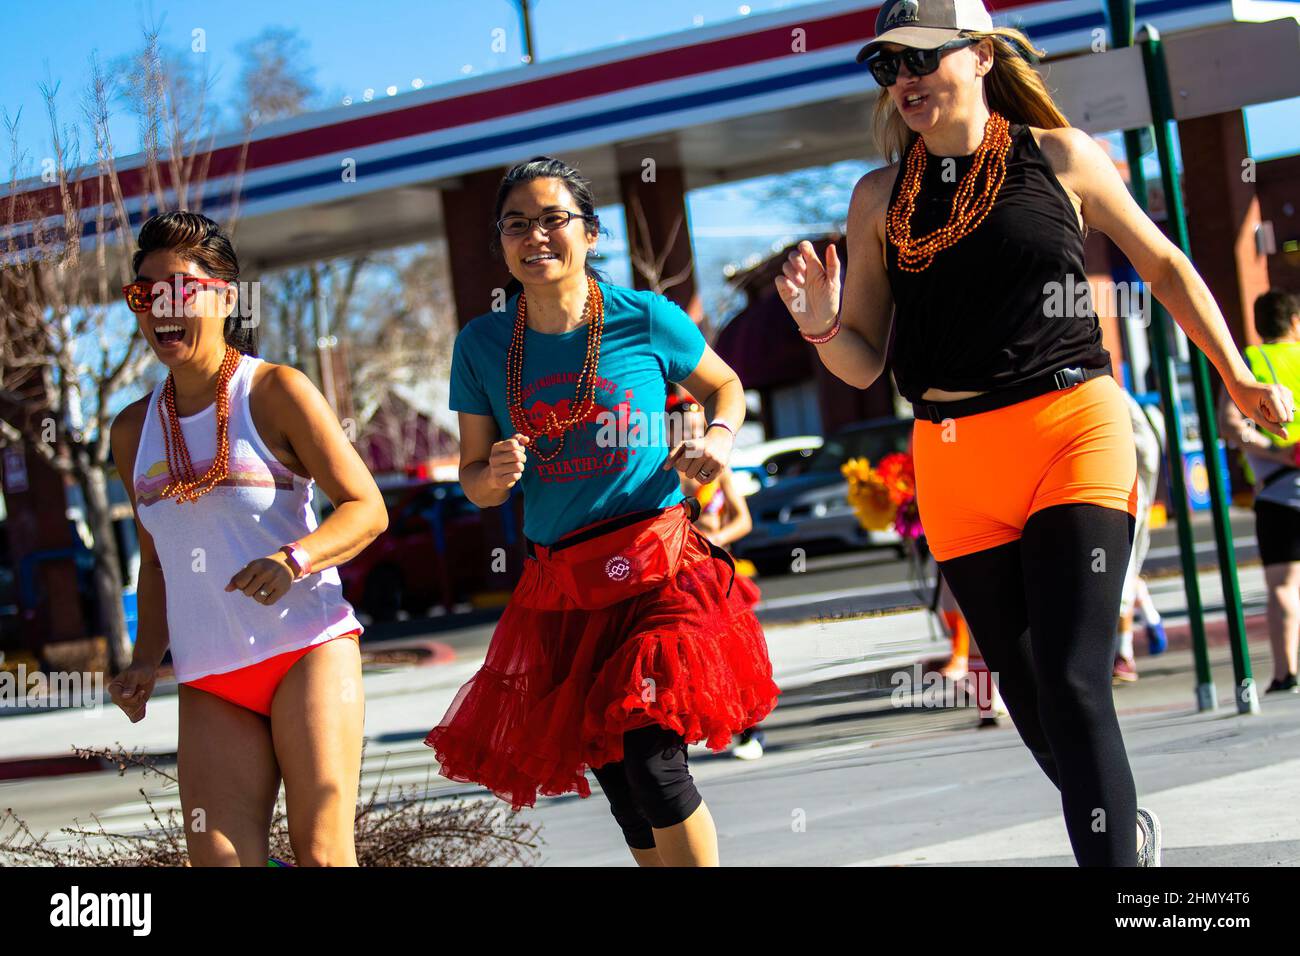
(821, 339)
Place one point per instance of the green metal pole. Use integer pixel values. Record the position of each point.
(1162, 114)
(1120, 15)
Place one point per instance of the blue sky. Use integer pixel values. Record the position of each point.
(355, 46)
(352, 47)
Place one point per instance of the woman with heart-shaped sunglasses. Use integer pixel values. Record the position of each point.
(221, 461)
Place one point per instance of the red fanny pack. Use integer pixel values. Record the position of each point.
(622, 557)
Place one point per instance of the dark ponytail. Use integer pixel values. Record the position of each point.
(546, 167)
(197, 239)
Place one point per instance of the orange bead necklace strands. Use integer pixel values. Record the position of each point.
(969, 207)
(185, 486)
(594, 312)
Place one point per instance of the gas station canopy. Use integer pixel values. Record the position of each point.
(754, 96)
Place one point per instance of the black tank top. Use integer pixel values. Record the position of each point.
(1006, 303)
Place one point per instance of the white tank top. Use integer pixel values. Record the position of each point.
(260, 506)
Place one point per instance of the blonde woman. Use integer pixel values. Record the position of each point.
(1025, 460)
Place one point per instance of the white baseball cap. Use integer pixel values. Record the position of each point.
(925, 23)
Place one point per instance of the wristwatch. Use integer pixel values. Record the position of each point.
(298, 560)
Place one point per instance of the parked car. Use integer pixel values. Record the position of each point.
(811, 510)
(759, 466)
(434, 551)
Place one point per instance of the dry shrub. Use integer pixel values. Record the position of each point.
(395, 826)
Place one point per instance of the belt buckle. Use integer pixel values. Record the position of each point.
(1067, 377)
(932, 413)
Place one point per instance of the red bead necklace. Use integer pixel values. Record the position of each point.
(584, 399)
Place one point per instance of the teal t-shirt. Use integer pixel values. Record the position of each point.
(613, 463)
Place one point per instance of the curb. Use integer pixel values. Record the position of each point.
(1216, 634)
(437, 652)
(23, 768)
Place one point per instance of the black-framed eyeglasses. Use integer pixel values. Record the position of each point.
(549, 221)
(884, 66)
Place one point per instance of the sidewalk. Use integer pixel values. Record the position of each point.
(404, 702)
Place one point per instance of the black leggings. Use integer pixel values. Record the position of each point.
(1044, 611)
(651, 786)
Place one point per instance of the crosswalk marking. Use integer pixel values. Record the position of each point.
(1254, 806)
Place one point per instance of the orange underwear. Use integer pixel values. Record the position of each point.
(254, 686)
(979, 477)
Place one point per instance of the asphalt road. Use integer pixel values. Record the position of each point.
(848, 779)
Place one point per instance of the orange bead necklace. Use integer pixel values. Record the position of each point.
(185, 486)
(969, 207)
(584, 399)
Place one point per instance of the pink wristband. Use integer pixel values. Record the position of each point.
(822, 339)
(298, 558)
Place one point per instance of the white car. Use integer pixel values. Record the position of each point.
(757, 466)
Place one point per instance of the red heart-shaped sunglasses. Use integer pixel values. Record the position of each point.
(141, 294)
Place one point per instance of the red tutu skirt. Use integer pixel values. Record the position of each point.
(749, 592)
(621, 624)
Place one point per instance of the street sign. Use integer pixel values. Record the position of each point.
(1099, 92)
(1238, 64)
(1212, 70)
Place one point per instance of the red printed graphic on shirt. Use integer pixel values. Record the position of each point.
(583, 456)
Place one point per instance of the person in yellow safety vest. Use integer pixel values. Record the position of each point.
(1272, 461)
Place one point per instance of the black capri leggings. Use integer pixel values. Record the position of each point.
(1277, 529)
(651, 786)
(1044, 611)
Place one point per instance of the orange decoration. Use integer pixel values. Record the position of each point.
(185, 486)
(969, 208)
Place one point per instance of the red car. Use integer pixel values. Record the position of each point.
(437, 549)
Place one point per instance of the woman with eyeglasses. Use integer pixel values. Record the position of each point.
(236, 578)
(1025, 459)
(624, 640)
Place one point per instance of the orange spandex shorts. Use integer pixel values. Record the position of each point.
(979, 477)
(254, 686)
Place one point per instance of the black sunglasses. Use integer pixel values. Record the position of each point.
(884, 66)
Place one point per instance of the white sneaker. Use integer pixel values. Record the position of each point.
(750, 746)
(1149, 851)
